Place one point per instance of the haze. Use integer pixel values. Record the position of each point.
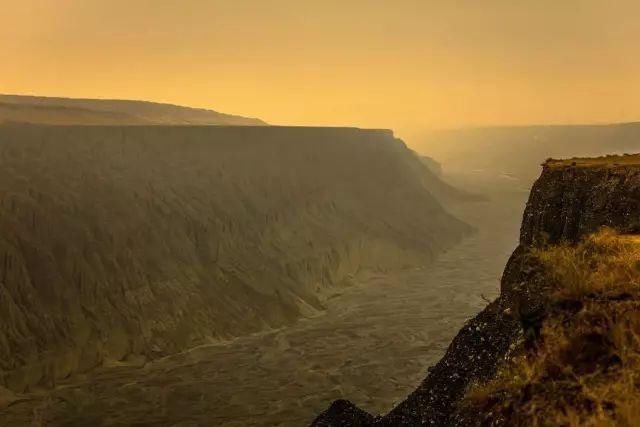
(407, 64)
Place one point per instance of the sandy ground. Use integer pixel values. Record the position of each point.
(373, 346)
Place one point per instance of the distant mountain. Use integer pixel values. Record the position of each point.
(52, 115)
(37, 109)
(515, 153)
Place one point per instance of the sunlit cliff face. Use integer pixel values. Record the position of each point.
(407, 64)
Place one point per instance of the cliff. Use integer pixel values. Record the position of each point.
(570, 201)
(129, 243)
(574, 198)
(67, 111)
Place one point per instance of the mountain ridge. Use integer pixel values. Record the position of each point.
(137, 111)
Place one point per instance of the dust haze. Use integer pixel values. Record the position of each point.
(245, 213)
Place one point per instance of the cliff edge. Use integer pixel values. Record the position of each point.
(543, 297)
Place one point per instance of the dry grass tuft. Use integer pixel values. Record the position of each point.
(585, 371)
(605, 263)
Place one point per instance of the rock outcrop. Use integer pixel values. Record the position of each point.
(570, 200)
(129, 243)
(574, 198)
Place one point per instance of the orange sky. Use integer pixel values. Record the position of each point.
(402, 64)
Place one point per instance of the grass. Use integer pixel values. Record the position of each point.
(585, 368)
(608, 161)
(603, 264)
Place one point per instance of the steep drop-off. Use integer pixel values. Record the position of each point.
(121, 243)
(64, 111)
(568, 202)
(574, 198)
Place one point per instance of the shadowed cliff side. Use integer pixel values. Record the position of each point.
(571, 200)
(121, 243)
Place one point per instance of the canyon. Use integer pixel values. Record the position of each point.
(126, 244)
(250, 275)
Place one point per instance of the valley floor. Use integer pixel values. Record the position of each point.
(373, 347)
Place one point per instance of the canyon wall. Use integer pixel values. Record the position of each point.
(129, 243)
(574, 198)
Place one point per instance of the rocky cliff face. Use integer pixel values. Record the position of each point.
(122, 243)
(571, 199)
(576, 197)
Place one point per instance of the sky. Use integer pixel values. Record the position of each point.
(408, 65)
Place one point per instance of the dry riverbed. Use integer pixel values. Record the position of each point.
(373, 346)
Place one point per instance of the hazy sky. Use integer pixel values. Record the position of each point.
(403, 64)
